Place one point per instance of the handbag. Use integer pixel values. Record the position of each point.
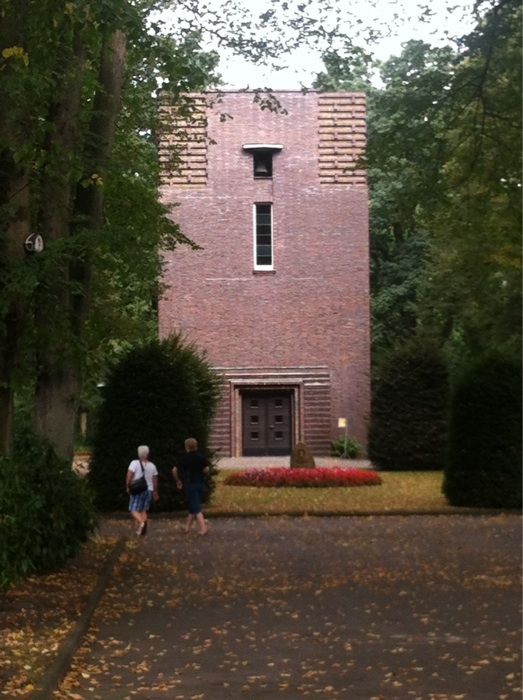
(138, 485)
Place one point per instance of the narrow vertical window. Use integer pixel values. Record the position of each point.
(263, 254)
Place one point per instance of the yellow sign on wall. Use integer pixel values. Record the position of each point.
(342, 422)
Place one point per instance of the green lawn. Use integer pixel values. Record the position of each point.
(400, 491)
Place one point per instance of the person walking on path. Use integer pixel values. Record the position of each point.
(189, 475)
(140, 503)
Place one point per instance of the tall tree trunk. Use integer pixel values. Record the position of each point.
(57, 386)
(12, 323)
(59, 381)
(6, 418)
(14, 226)
(90, 200)
(55, 407)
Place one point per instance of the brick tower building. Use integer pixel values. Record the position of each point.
(278, 296)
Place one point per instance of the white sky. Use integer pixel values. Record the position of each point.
(305, 63)
(396, 21)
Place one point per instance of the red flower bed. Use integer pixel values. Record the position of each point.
(320, 476)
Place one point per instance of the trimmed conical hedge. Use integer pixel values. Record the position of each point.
(484, 467)
(158, 395)
(408, 429)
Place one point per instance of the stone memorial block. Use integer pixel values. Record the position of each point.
(301, 457)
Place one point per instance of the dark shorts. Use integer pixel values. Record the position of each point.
(193, 495)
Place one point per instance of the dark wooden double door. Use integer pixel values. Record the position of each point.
(267, 425)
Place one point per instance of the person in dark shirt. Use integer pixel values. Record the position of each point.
(189, 475)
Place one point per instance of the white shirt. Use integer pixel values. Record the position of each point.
(149, 470)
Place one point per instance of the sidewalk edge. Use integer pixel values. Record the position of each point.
(179, 515)
(58, 669)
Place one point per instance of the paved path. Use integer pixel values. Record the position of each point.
(351, 608)
(260, 462)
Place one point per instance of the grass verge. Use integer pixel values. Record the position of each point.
(400, 491)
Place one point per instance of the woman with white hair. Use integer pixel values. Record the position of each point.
(141, 484)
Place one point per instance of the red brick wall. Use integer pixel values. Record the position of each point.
(314, 310)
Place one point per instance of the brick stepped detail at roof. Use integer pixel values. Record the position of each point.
(341, 131)
(187, 137)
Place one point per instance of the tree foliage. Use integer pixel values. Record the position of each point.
(47, 511)
(472, 292)
(78, 163)
(444, 164)
(408, 429)
(159, 394)
(484, 467)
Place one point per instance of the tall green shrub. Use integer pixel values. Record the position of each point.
(484, 467)
(46, 511)
(408, 429)
(158, 395)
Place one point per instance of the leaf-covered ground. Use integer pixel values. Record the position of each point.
(36, 616)
(374, 608)
(400, 491)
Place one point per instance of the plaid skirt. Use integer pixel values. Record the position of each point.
(141, 502)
